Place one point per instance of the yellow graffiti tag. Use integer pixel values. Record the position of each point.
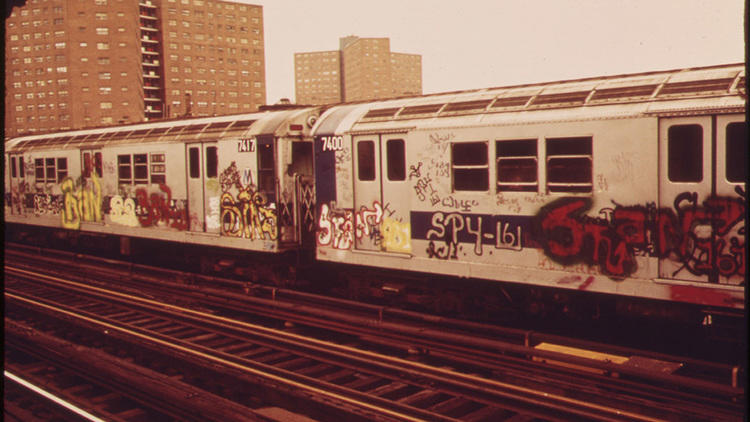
(396, 235)
(80, 203)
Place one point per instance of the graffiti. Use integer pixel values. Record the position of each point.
(459, 204)
(576, 279)
(335, 228)
(601, 183)
(623, 166)
(707, 238)
(415, 171)
(512, 203)
(341, 228)
(157, 209)
(16, 198)
(246, 213)
(442, 168)
(47, 204)
(396, 236)
(445, 228)
(479, 230)
(214, 211)
(441, 140)
(82, 202)
(367, 222)
(122, 211)
(424, 190)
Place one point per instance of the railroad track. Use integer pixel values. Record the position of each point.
(371, 384)
(54, 379)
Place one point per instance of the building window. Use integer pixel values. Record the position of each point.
(569, 165)
(685, 153)
(470, 166)
(517, 165)
(102, 31)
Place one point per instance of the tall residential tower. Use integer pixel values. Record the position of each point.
(80, 63)
(361, 69)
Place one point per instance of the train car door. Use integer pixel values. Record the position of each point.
(380, 193)
(395, 228)
(367, 192)
(700, 230)
(203, 187)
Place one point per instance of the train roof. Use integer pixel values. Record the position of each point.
(682, 91)
(182, 130)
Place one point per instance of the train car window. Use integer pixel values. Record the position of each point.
(13, 169)
(62, 169)
(50, 175)
(21, 167)
(39, 170)
(194, 165)
(124, 170)
(158, 169)
(366, 160)
(140, 168)
(396, 154)
(685, 153)
(517, 165)
(470, 166)
(569, 165)
(212, 162)
(736, 152)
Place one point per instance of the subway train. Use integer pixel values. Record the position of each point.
(625, 190)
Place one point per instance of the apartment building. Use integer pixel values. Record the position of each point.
(83, 63)
(361, 69)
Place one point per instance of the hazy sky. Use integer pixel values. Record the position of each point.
(468, 44)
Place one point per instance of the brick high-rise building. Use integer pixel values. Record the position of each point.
(361, 69)
(81, 63)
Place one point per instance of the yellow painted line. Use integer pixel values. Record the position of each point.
(584, 353)
(66, 404)
(470, 380)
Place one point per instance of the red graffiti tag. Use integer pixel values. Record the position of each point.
(707, 238)
(155, 208)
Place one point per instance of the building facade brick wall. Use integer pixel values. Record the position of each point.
(368, 71)
(83, 63)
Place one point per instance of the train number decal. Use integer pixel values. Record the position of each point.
(246, 145)
(332, 143)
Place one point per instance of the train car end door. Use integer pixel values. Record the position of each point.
(702, 199)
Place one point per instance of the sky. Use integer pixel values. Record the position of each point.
(469, 44)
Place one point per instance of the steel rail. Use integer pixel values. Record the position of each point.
(507, 391)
